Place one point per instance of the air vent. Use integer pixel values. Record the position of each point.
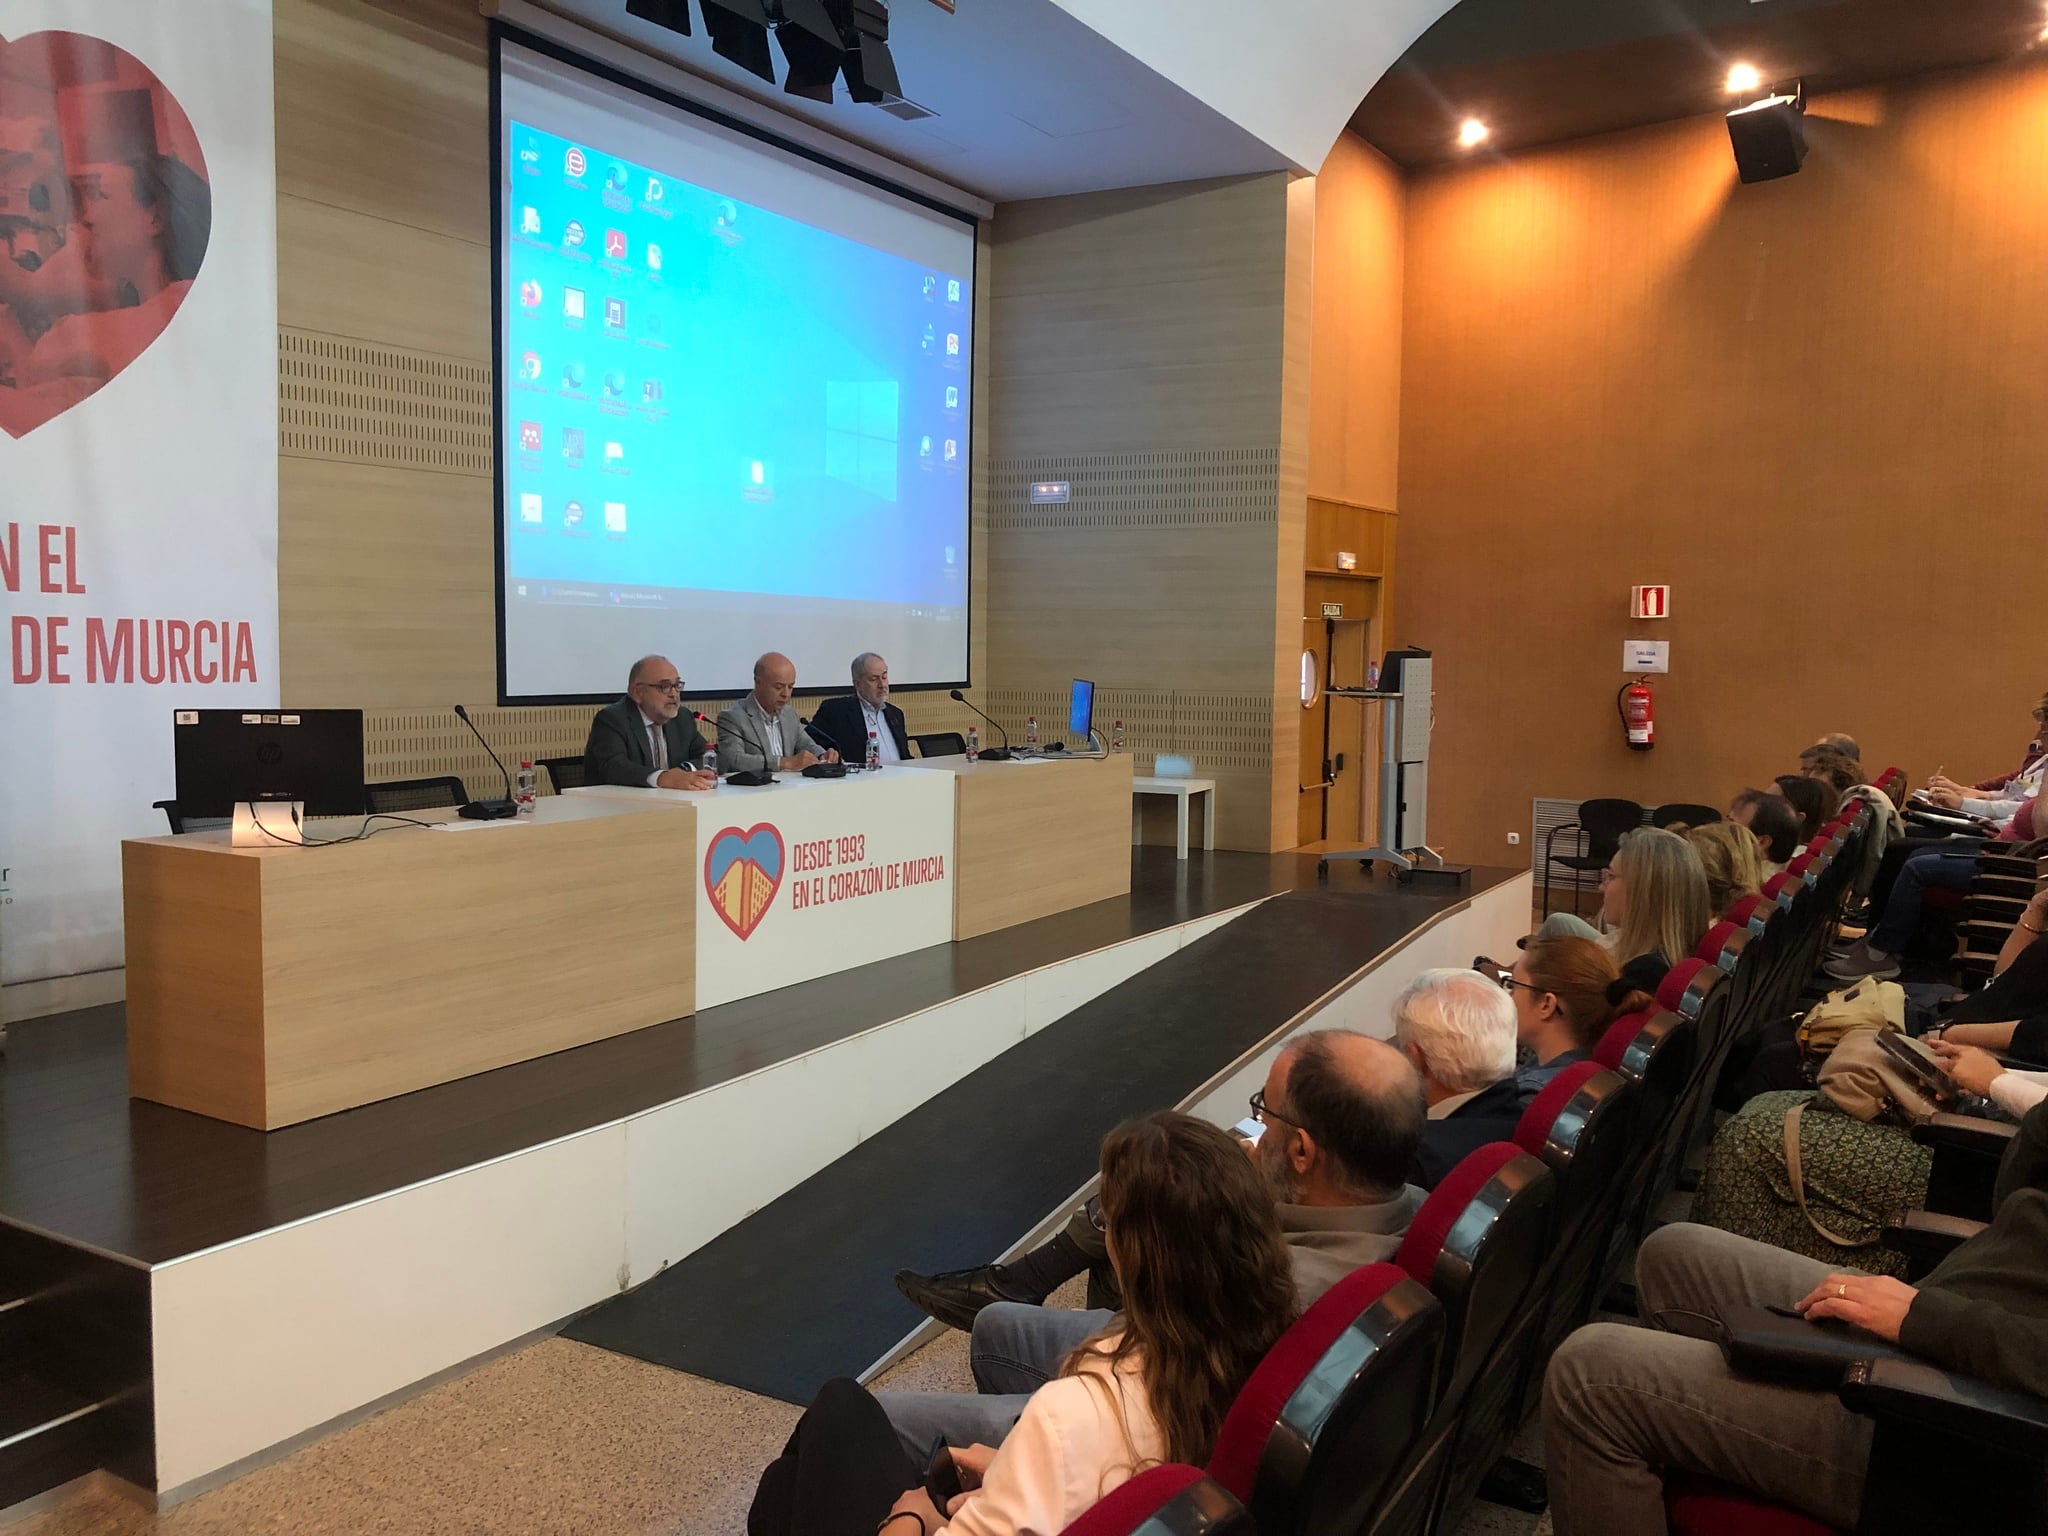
(908, 111)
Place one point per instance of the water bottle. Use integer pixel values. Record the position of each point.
(1031, 734)
(973, 744)
(711, 763)
(1116, 737)
(526, 788)
(874, 751)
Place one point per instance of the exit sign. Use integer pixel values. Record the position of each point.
(1651, 603)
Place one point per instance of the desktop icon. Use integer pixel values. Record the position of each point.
(572, 515)
(614, 385)
(728, 214)
(615, 516)
(529, 221)
(529, 294)
(952, 343)
(614, 453)
(924, 447)
(529, 153)
(572, 442)
(930, 338)
(615, 313)
(575, 162)
(931, 285)
(572, 376)
(655, 192)
(952, 290)
(952, 449)
(650, 392)
(529, 437)
(952, 397)
(529, 366)
(572, 235)
(615, 244)
(653, 257)
(572, 303)
(615, 177)
(529, 507)
(757, 473)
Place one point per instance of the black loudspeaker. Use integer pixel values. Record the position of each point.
(1769, 137)
(672, 14)
(739, 33)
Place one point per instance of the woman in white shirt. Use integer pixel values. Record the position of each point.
(1196, 1244)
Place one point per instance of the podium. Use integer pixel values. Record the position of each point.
(1406, 703)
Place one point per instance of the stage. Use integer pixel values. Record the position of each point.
(268, 1283)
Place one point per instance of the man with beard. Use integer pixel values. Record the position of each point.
(1344, 1116)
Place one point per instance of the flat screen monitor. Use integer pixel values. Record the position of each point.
(227, 755)
(1081, 709)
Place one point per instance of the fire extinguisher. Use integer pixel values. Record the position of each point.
(1638, 716)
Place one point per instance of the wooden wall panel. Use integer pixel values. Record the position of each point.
(1814, 406)
(1355, 398)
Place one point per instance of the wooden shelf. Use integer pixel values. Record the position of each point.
(1331, 570)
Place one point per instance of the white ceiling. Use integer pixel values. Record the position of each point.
(1030, 101)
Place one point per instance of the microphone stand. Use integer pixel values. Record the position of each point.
(488, 810)
(1000, 754)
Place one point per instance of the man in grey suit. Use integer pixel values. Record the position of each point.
(638, 740)
(762, 732)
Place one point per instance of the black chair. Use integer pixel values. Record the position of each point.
(181, 823)
(564, 772)
(396, 796)
(1597, 833)
(1683, 811)
(940, 744)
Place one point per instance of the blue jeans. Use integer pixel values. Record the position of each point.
(1945, 868)
(1016, 1350)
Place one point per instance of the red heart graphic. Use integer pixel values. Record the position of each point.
(105, 216)
(742, 873)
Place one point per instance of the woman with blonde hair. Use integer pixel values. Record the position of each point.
(1733, 861)
(1208, 1286)
(1654, 904)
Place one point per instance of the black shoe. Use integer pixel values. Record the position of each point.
(954, 1297)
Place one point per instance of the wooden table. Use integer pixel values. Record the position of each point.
(272, 985)
(1036, 837)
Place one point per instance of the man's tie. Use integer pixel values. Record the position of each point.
(658, 736)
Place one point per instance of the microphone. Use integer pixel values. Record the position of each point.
(1000, 754)
(487, 810)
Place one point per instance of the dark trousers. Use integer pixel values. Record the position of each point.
(841, 1470)
(1894, 860)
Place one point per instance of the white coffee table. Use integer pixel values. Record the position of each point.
(1182, 790)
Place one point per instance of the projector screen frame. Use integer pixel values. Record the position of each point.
(502, 32)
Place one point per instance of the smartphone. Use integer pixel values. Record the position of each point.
(1250, 1129)
(941, 1476)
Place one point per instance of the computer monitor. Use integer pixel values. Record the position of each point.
(226, 755)
(1081, 709)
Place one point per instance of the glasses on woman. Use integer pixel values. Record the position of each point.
(1494, 971)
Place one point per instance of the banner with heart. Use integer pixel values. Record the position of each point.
(742, 873)
(138, 433)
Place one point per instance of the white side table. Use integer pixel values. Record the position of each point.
(1183, 790)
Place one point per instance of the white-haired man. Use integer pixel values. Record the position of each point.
(1459, 1030)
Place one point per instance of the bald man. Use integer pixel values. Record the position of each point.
(1344, 1116)
(640, 741)
(761, 733)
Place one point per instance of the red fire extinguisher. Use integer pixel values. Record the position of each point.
(1638, 715)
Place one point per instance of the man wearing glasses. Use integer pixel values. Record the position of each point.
(639, 741)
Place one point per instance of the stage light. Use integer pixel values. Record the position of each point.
(1744, 78)
(1471, 132)
(1769, 135)
(870, 68)
(811, 46)
(739, 34)
(672, 14)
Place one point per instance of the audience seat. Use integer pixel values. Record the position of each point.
(1599, 828)
(1723, 945)
(1318, 1434)
(1165, 1501)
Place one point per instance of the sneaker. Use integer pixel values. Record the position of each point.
(1861, 962)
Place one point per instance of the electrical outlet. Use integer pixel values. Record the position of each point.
(1514, 839)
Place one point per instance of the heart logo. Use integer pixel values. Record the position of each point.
(742, 873)
(105, 217)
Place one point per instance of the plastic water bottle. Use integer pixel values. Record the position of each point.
(526, 788)
(1116, 737)
(711, 763)
(874, 751)
(973, 744)
(1031, 734)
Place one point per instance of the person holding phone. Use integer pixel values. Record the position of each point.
(1195, 1238)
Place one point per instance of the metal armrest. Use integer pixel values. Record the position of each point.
(1930, 1400)
(1966, 1133)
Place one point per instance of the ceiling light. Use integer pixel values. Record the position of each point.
(1471, 132)
(1744, 78)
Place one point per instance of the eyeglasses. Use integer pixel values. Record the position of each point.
(668, 685)
(1267, 1113)
(1609, 876)
(1493, 970)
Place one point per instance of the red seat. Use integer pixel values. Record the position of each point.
(1170, 1501)
(1612, 1044)
(1320, 1431)
(1678, 987)
(1696, 1507)
(1723, 945)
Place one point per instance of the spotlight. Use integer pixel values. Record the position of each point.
(1769, 135)
(812, 47)
(739, 33)
(1471, 132)
(672, 14)
(870, 69)
(1744, 78)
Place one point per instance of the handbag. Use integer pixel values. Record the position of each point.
(1870, 1079)
(1866, 1005)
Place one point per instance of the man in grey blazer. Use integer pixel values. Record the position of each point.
(762, 732)
(639, 739)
